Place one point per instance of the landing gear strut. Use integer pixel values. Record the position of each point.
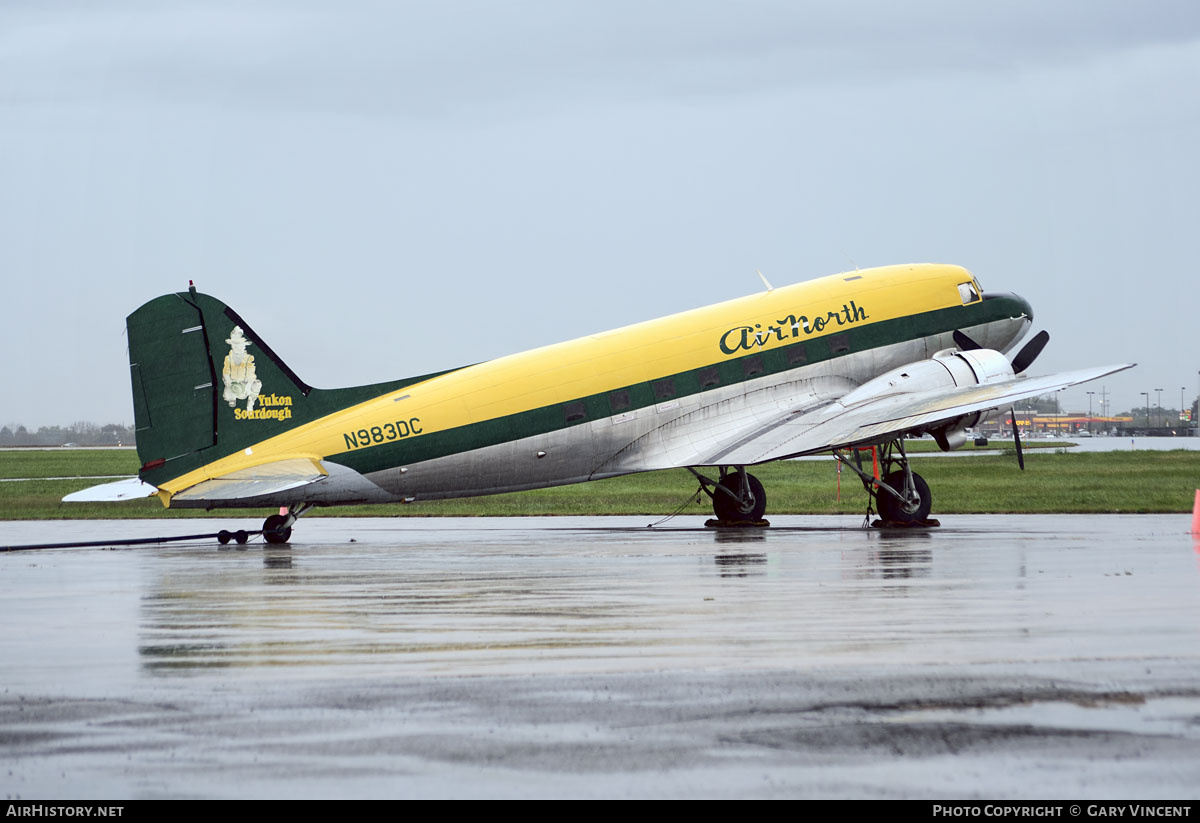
(737, 497)
(901, 496)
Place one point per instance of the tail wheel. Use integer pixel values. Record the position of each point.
(732, 508)
(892, 510)
(276, 530)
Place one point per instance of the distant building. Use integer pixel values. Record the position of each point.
(1034, 422)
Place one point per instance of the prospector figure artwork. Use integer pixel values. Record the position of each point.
(241, 383)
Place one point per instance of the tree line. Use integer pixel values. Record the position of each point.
(81, 433)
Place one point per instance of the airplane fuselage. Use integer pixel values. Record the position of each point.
(663, 393)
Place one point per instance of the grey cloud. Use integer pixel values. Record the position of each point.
(431, 59)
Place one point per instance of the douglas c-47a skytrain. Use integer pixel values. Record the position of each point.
(862, 358)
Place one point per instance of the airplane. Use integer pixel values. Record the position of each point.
(863, 358)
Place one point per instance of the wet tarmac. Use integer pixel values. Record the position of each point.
(994, 657)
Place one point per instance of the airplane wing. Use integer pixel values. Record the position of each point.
(873, 420)
(812, 416)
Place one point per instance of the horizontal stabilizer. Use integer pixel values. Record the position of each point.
(131, 488)
(269, 478)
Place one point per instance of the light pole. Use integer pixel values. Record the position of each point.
(1146, 395)
(1089, 394)
(1159, 404)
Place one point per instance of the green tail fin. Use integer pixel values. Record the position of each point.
(205, 385)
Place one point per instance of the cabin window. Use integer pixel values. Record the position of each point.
(797, 355)
(839, 343)
(709, 378)
(968, 293)
(575, 411)
(664, 389)
(618, 401)
(752, 366)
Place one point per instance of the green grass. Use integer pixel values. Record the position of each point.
(1062, 482)
(68, 463)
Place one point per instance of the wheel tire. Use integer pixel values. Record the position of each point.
(892, 510)
(223, 537)
(728, 509)
(240, 537)
(274, 530)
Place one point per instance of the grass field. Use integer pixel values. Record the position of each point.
(34, 482)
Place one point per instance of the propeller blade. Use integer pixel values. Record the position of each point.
(1017, 439)
(965, 343)
(1029, 353)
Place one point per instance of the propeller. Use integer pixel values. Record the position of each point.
(1030, 351)
(1025, 356)
(1017, 438)
(965, 343)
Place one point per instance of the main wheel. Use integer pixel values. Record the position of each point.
(727, 508)
(274, 530)
(892, 510)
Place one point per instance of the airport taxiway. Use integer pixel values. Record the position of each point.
(994, 657)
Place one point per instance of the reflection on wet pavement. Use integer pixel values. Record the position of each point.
(1003, 627)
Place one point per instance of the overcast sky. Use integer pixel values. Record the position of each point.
(385, 189)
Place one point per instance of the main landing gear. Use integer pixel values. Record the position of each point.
(738, 497)
(900, 495)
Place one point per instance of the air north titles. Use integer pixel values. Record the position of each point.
(746, 337)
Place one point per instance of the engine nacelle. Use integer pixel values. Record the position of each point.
(945, 370)
(988, 365)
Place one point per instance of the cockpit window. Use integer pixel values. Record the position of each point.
(968, 292)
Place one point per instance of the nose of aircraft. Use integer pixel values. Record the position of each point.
(1024, 305)
(1016, 309)
(1013, 305)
